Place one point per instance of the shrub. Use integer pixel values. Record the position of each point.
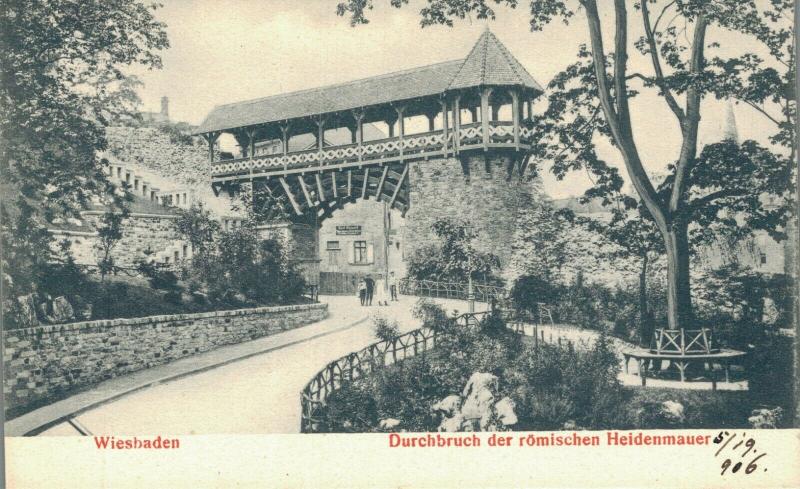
(384, 330)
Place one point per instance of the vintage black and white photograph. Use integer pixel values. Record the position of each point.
(397, 216)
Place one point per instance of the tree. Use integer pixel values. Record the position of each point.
(61, 83)
(636, 237)
(198, 227)
(592, 97)
(453, 257)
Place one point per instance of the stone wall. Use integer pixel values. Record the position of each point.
(140, 232)
(488, 199)
(45, 363)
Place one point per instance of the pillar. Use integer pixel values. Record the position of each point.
(485, 94)
(515, 110)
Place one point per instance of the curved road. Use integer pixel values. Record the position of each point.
(259, 394)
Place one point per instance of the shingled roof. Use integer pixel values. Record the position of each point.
(489, 63)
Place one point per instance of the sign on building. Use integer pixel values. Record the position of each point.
(352, 230)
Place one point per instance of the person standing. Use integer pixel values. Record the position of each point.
(362, 291)
(393, 286)
(370, 284)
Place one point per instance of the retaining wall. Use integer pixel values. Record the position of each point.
(45, 363)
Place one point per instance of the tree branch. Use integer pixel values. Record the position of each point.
(692, 122)
(706, 199)
(620, 127)
(651, 43)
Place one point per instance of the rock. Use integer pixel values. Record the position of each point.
(62, 310)
(765, 418)
(389, 423)
(673, 412)
(452, 424)
(504, 409)
(26, 311)
(479, 395)
(447, 406)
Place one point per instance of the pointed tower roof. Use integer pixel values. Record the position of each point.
(490, 63)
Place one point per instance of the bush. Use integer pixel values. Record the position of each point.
(384, 330)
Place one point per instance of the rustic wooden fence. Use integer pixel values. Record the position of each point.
(388, 352)
(452, 290)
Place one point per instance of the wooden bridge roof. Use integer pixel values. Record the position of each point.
(489, 63)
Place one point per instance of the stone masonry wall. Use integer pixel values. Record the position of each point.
(139, 233)
(488, 200)
(45, 363)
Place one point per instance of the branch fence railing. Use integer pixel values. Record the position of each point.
(356, 365)
(452, 290)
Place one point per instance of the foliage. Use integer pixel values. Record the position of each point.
(591, 99)
(541, 242)
(454, 257)
(197, 226)
(385, 330)
(160, 277)
(549, 384)
(61, 83)
(238, 266)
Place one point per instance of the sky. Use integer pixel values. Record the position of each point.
(226, 51)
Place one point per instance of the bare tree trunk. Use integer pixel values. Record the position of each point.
(679, 299)
(645, 322)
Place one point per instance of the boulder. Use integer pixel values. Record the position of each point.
(389, 423)
(479, 398)
(505, 411)
(26, 311)
(672, 412)
(447, 406)
(452, 424)
(765, 418)
(62, 310)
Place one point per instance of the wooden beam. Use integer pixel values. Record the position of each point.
(515, 111)
(365, 183)
(349, 183)
(319, 188)
(291, 196)
(380, 184)
(302, 182)
(485, 94)
(399, 185)
(333, 182)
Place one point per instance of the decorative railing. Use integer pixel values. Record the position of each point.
(356, 365)
(452, 290)
(683, 341)
(409, 146)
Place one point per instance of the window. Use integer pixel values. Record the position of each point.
(332, 246)
(763, 258)
(360, 252)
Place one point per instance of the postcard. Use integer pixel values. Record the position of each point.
(374, 243)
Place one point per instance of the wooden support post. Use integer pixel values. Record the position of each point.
(456, 124)
(381, 182)
(211, 138)
(319, 187)
(349, 183)
(285, 139)
(399, 185)
(290, 195)
(302, 181)
(333, 182)
(485, 94)
(401, 127)
(358, 115)
(251, 143)
(365, 183)
(320, 136)
(515, 116)
(444, 126)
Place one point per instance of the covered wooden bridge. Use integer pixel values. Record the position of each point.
(479, 104)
